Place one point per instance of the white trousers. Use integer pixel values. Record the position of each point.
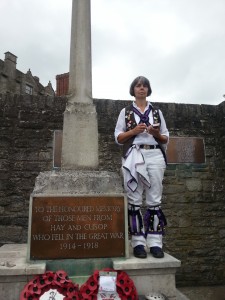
(155, 165)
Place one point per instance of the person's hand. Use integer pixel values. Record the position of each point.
(153, 130)
(139, 128)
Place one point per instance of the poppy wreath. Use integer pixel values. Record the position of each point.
(124, 286)
(41, 284)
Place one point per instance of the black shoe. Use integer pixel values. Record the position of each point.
(139, 251)
(156, 252)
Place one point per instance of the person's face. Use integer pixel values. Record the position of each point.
(140, 90)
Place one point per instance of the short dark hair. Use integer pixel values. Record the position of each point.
(143, 80)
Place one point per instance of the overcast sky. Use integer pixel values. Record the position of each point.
(178, 44)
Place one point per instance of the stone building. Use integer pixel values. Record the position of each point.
(15, 82)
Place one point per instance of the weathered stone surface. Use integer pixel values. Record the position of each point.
(15, 272)
(150, 274)
(11, 233)
(194, 185)
(78, 182)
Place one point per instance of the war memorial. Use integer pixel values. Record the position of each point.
(78, 210)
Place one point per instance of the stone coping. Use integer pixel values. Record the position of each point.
(133, 263)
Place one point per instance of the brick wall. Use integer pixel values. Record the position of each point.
(62, 84)
(193, 198)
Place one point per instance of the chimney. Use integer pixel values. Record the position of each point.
(10, 64)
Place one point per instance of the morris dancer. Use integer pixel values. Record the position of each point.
(142, 131)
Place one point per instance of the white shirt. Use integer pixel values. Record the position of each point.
(142, 138)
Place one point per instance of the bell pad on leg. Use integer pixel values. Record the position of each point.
(150, 219)
(135, 220)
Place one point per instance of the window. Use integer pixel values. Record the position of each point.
(29, 89)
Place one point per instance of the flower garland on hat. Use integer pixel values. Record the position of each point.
(50, 280)
(124, 285)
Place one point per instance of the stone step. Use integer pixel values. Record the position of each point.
(15, 271)
(151, 274)
(13, 261)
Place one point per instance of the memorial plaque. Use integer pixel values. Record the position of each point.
(186, 150)
(77, 227)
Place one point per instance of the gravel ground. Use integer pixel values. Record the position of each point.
(204, 293)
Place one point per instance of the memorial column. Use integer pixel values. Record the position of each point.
(80, 129)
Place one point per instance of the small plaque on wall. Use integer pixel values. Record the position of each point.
(77, 227)
(186, 150)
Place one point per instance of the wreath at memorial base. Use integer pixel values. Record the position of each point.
(50, 280)
(124, 286)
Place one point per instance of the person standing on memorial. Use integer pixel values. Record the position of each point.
(141, 130)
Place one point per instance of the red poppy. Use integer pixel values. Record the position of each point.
(62, 274)
(25, 294)
(96, 276)
(35, 289)
(61, 277)
(35, 280)
(41, 282)
(127, 289)
(83, 297)
(92, 284)
(48, 277)
(121, 277)
(85, 291)
(72, 291)
(120, 282)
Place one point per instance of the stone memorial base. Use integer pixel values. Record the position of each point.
(76, 215)
(148, 274)
(151, 274)
(17, 269)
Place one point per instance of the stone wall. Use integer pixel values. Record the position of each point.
(26, 134)
(193, 197)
